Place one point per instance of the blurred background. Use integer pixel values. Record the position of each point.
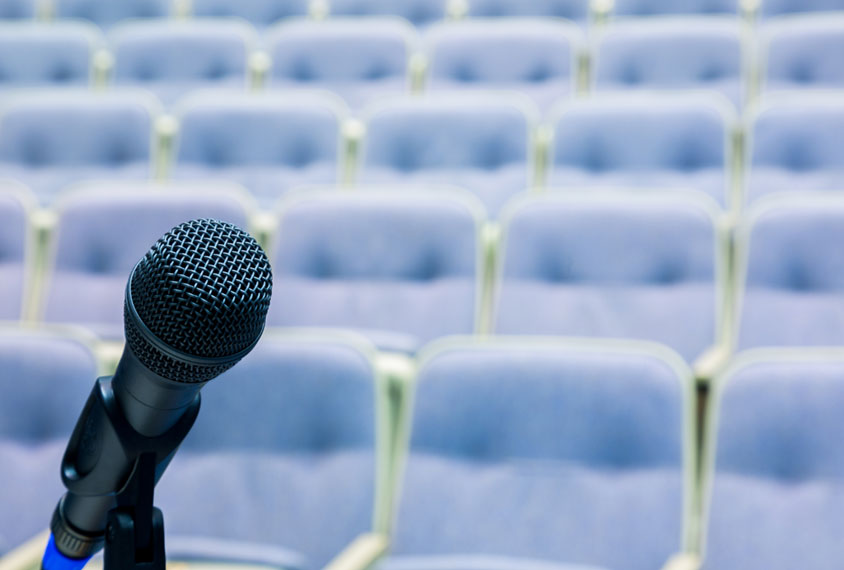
(558, 284)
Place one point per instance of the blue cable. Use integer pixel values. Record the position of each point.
(55, 560)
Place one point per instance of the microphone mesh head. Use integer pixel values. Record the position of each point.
(203, 289)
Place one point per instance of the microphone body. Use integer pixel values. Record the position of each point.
(195, 305)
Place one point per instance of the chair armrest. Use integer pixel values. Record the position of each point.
(685, 561)
(711, 363)
(361, 553)
(28, 555)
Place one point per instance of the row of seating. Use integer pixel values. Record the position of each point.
(363, 60)
(506, 453)
(407, 267)
(493, 145)
(419, 12)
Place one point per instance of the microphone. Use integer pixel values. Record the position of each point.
(195, 304)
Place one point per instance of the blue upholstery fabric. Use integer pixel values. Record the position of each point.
(268, 143)
(680, 143)
(672, 53)
(536, 57)
(106, 13)
(359, 59)
(577, 10)
(478, 143)
(259, 13)
(54, 55)
(801, 53)
(554, 452)
(779, 7)
(282, 451)
(101, 235)
(173, 58)
(625, 268)
(44, 383)
(17, 9)
(474, 563)
(794, 146)
(49, 141)
(382, 261)
(658, 7)
(418, 12)
(795, 275)
(14, 242)
(777, 497)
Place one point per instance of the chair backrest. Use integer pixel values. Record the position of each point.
(613, 265)
(793, 271)
(660, 7)
(17, 9)
(56, 54)
(778, 463)
(106, 13)
(672, 53)
(576, 10)
(418, 12)
(16, 246)
(284, 446)
(89, 265)
(257, 12)
(800, 53)
(780, 7)
(398, 261)
(557, 450)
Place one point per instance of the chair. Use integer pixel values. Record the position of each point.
(359, 59)
(547, 451)
(259, 13)
(784, 7)
(17, 9)
(574, 10)
(536, 57)
(799, 53)
(645, 141)
(47, 55)
(50, 140)
(267, 143)
(665, 7)
(283, 450)
(89, 267)
(613, 265)
(106, 13)
(793, 272)
(793, 145)
(45, 382)
(776, 485)
(420, 13)
(402, 267)
(16, 248)
(671, 54)
(173, 58)
(481, 143)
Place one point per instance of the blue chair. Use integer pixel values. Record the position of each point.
(259, 13)
(785, 7)
(103, 229)
(646, 141)
(613, 265)
(45, 382)
(672, 54)
(575, 10)
(403, 267)
(536, 57)
(665, 7)
(793, 272)
(793, 145)
(283, 451)
(546, 450)
(776, 486)
(360, 59)
(47, 55)
(800, 53)
(50, 140)
(172, 58)
(16, 248)
(481, 143)
(267, 143)
(418, 12)
(106, 13)
(17, 9)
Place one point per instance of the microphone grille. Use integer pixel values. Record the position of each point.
(204, 290)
